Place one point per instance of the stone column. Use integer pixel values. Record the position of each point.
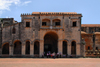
(31, 49)
(51, 22)
(23, 49)
(77, 49)
(11, 50)
(60, 46)
(69, 48)
(41, 47)
(61, 23)
(83, 50)
(87, 29)
(40, 23)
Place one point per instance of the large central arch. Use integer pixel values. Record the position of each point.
(50, 42)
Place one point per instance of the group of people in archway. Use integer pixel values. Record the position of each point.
(52, 55)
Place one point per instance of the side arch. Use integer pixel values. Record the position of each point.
(17, 47)
(36, 47)
(73, 47)
(64, 47)
(27, 46)
(5, 48)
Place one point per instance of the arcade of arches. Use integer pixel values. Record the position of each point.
(51, 44)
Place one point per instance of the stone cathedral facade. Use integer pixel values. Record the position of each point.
(40, 32)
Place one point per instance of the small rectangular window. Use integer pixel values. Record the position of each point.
(27, 24)
(57, 23)
(43, 23)
(74, 24)
(96, 48)
(99, 29)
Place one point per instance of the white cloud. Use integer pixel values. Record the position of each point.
(26, 2)
(5, 4)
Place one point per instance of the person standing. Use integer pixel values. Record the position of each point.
(47, 55)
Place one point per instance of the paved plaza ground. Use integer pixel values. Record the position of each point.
(45, 62)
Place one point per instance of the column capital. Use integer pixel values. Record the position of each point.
(69, 41)
(11, 44)
(41, 39)
(23, 43)
(60, 39)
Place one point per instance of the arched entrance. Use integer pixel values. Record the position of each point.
(36, 47)
(50, 42)
(17, 47)
(5, 48)
(65, 47)
(73, 48)
(27, 51)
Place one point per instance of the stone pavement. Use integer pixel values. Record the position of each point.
(45, 62)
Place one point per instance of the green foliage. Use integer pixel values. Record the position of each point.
(1, 19)
(97, 56)
(83, 42)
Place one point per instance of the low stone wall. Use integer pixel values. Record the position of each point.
(91, 53)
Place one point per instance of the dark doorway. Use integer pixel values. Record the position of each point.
(17, 47)
(64, 47)
(36, 47)
(5, 48)
(27, 47)
(50, 43)
(73, 48)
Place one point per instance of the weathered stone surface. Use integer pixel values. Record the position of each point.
(36, 32)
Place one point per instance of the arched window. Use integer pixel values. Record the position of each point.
(13, 30)
(45, 22)
(56, 22)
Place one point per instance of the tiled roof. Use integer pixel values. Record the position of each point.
(82, 32)
(54, 12)
(97, 32)
(90, 25)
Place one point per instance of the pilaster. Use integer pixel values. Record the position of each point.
(23, 49)
(31, 49)
(77, 49)
(41, 47)
(60, 46)
(10, 50)
(50, 22)
(87, 29)
(69, 48)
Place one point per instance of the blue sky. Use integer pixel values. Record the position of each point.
(90, 9)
